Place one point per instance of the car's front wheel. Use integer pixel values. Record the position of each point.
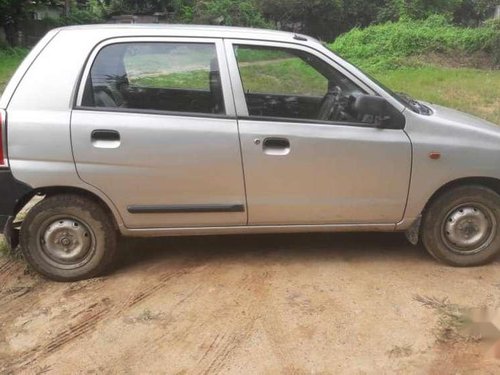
(68, 238)
(460, 227)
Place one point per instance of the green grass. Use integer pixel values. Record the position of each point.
(469, 90)
(291, 76)
(9, 61)
(194, 80)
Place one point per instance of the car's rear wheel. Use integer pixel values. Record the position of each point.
(68, 237)
(460, 227)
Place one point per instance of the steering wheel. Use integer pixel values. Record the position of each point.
(330, 105)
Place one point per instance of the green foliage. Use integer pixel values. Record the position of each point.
(229, 12)
(385, 46)
(418, 9)
(494, 25)
(139, 7)
(324, 19)
(327, 19)
(76, 17)
(463, 12)
(321, 18)
(10, 58)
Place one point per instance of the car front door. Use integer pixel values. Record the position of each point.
(307, 158)
(154, 129)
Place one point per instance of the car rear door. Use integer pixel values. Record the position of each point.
(301, 170)
(154, 129)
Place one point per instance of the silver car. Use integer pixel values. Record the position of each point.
(194, 130)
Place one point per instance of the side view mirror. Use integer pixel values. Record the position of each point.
(370, 105)
(385, 115)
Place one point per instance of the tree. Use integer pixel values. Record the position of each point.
(473, 12)
(324, 19)
(14, 11)
(229, 12)
(320, 18)
(459, 11)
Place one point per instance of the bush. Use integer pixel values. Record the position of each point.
(385, 46)
(494, 25)
(13, 52)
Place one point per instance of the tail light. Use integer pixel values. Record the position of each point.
(3, 139)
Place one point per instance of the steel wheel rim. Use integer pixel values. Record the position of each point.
(66, 242)
(469, 228)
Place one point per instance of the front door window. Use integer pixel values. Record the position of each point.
(293, 84)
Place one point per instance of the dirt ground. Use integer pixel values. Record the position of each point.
(262, 304)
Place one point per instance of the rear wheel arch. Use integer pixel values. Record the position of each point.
(61, 190)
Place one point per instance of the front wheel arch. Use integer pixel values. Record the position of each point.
(414, 231)
(488, 182)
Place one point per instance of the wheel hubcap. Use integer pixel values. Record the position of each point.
(469, 228)
(67, 240)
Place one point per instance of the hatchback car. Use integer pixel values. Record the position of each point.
(194, 130)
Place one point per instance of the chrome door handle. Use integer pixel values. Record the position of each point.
(276, 146)
(105, 138)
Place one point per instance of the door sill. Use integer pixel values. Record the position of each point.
(254, 229)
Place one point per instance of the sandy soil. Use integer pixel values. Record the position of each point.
(267, 304)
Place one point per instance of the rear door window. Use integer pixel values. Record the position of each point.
(160, 76)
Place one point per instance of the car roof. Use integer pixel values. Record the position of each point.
(191, 31)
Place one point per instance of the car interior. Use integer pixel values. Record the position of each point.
(334, 105)
(108, 86)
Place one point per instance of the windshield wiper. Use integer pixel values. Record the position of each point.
(414, 104)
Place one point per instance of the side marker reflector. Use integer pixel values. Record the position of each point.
(435, 155)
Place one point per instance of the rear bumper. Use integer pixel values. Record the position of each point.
(11, 193)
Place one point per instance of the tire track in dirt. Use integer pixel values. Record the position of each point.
(146, 291)
(147, 348)
(7, 269)
(88, 318)
(85, 325)
(91, 316)
(179, 337)
(213, 344)
(220, 350)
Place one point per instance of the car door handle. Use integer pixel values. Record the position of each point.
(276, 146)
(105, 138)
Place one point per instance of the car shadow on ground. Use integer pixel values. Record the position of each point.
(282, 248)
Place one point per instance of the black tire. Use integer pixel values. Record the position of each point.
(68, 237)
(461, 226)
